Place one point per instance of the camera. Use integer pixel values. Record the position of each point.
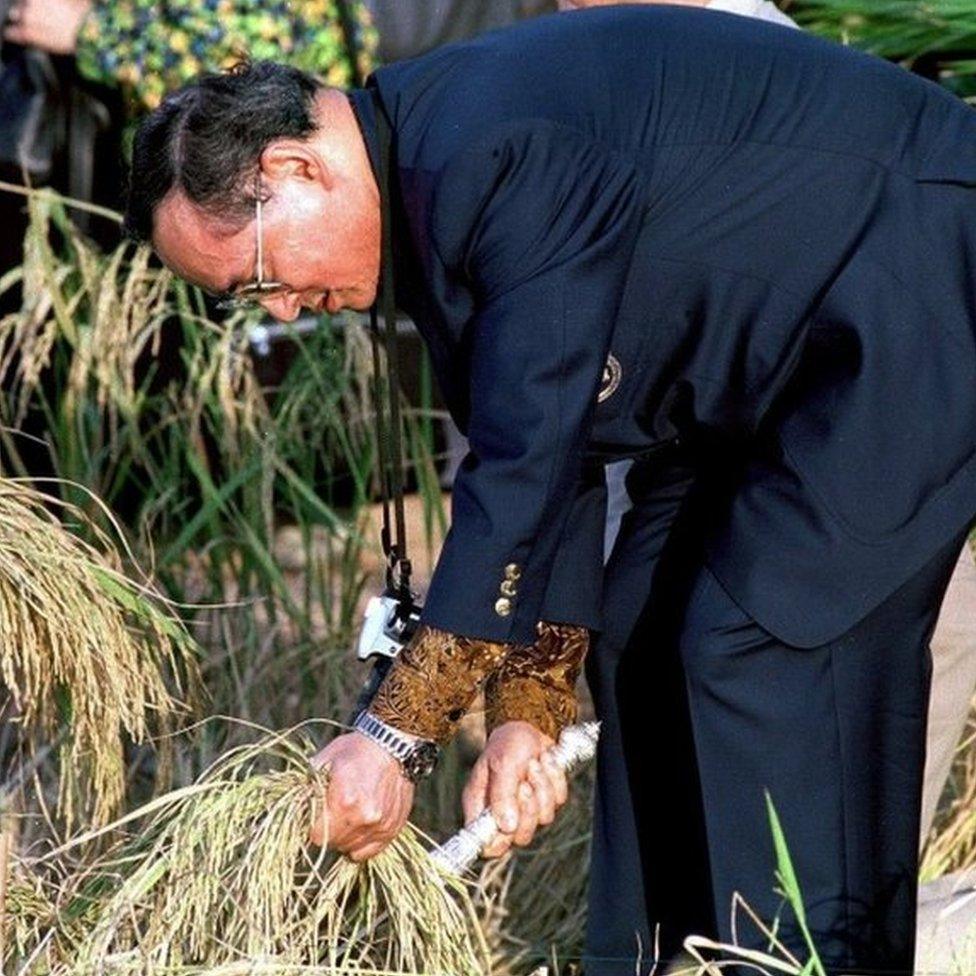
(389, 622)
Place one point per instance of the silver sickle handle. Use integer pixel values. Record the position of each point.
(576, 746)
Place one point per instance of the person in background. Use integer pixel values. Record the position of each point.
(411, 27)
(953, 643)
(148, 48)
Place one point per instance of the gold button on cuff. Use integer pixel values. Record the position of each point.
(513, 571)
(508, 588)
(503, 606)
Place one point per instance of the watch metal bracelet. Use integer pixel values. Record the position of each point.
(417, 757)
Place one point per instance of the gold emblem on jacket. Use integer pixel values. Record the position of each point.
(612, 372)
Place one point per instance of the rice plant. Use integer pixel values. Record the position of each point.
(87, 658)
(220, 874)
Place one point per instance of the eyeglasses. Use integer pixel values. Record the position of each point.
(250, 293)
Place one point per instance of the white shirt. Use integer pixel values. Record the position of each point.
(761, 9)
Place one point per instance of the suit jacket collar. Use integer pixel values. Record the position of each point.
(364, 109)
(405, 277)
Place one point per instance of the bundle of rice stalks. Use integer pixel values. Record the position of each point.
(85, 654)
(220, 875)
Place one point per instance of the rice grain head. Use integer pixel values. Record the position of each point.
(86, 657)
(221, 874)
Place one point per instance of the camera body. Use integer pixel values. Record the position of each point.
(388, 624)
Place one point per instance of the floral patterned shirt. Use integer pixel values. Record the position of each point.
(150, 47)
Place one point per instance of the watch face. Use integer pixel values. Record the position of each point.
(421, 761)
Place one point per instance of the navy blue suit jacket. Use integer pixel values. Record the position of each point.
(773, 237)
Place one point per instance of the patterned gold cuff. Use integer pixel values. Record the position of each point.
(537, 684)
(433, 681)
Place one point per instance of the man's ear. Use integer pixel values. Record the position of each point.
(294, 159)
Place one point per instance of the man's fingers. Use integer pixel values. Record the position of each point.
(498, 847)
(364, 799)
(352, 833)
(358, 824)
(524, 787)
(474, 797)
(502, 786)
(317, 835)
(557, 777)
(525, 825)
(528, 816)
(524, 832)
(367, 851)
(544, 795)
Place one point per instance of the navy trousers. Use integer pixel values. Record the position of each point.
(703, 711)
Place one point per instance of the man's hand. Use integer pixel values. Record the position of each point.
(49, 25)
(520, 783)
(367, 801)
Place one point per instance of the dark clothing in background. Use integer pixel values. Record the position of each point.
(411, 27)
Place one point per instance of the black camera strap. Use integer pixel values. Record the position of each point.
(386, 391)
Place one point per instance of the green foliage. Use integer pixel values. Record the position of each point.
(902, 30)
(789, 888)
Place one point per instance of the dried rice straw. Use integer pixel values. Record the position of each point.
(220, 875)
(84, 654)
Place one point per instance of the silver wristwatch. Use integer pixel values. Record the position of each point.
(417, 758)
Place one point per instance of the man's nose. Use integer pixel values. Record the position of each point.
(285, 308)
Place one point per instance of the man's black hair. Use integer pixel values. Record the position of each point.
(206, 140)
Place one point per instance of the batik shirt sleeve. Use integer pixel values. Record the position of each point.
(436, 677)
(149, 47)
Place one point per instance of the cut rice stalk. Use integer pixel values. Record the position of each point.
(221, 874)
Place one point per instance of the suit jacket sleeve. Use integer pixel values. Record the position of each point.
(574, 591)
(538, 223)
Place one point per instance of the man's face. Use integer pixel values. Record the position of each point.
(320, 239)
